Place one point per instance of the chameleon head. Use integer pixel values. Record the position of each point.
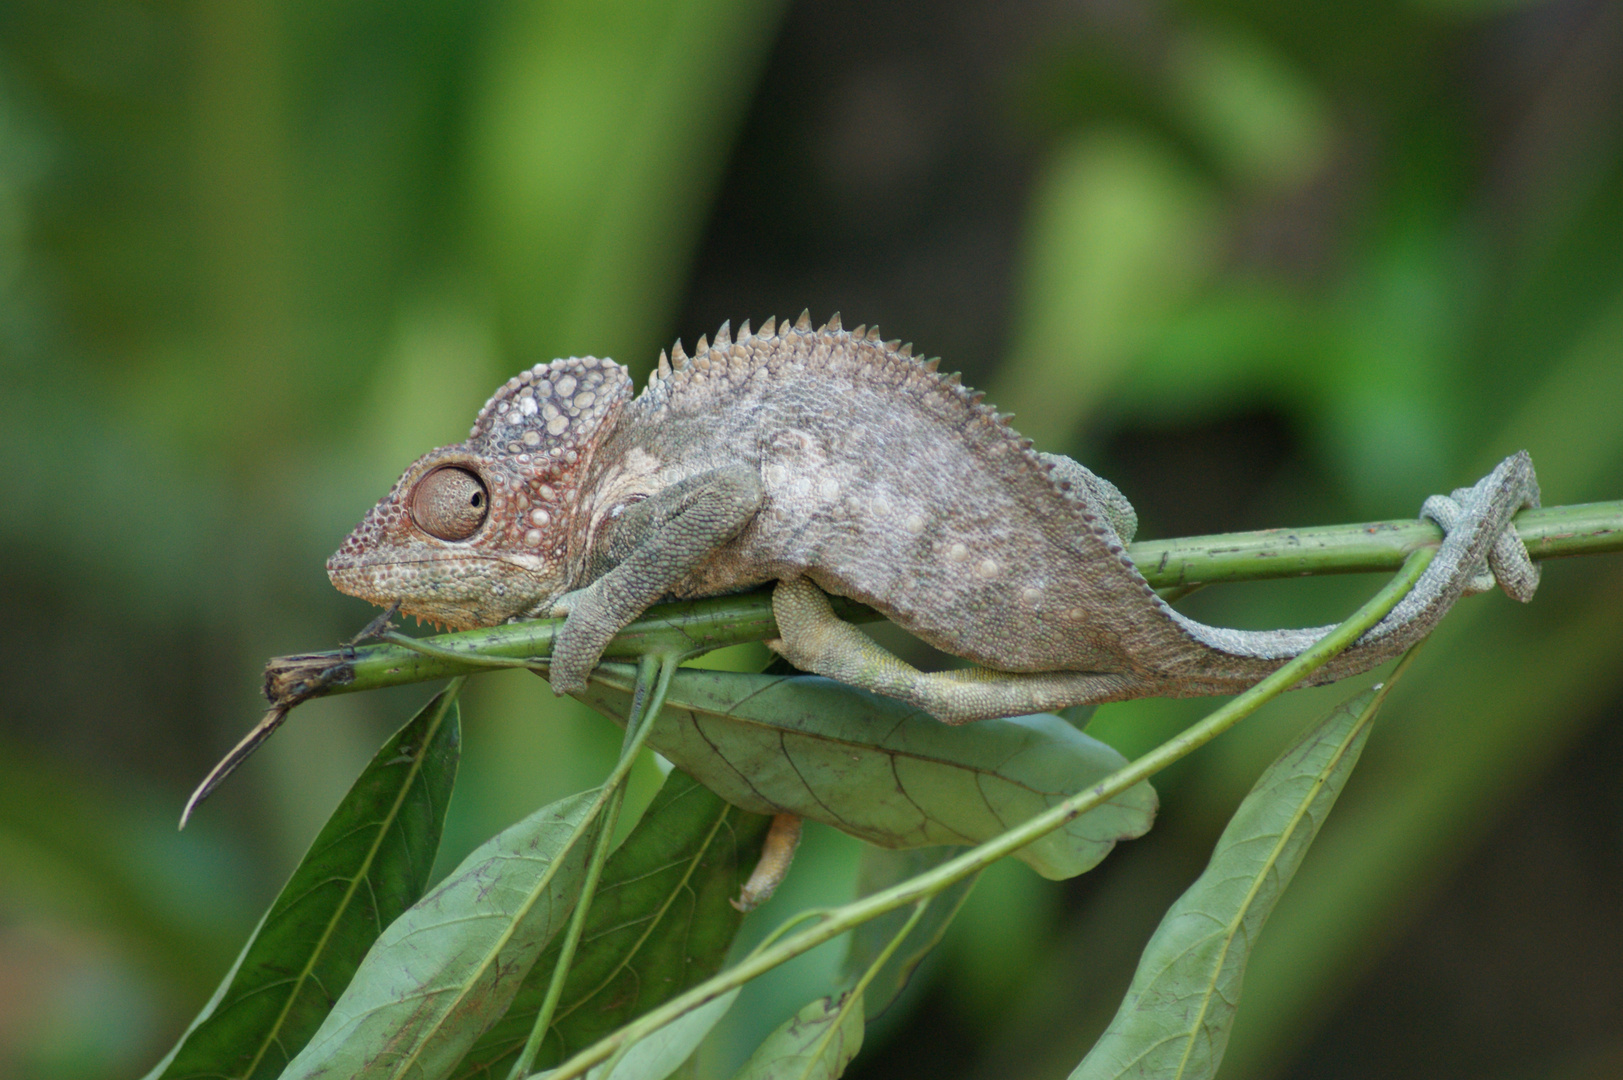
(477, 533)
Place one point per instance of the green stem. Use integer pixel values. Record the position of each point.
(426, 647)
(692, 627)
(841, 919)
(789, 924)
(653, 680)
(855, 995)
(1551, 532)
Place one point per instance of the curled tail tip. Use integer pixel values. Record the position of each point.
(1521, 465)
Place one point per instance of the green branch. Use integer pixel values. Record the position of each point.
(693, 627)
(1549, 533)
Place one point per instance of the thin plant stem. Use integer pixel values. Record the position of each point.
(789, 924)
(855, 995)
(428, 648)
(653, 679)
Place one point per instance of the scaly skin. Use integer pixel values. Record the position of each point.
(831, 462)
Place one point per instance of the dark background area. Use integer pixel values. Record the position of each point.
(1260, 263)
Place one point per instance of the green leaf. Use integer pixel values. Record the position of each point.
(881, 770)
(880, 869)
(1176, 1018)
(663, 1050)
(448, 968)
(809, 1046)
(369, 862)
(661, 923)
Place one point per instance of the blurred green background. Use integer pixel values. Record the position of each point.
(1262, 262)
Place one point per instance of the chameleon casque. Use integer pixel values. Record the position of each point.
(831, 462)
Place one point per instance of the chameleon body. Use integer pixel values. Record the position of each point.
(832, 462)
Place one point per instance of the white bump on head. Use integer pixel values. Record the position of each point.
(914, 524)
(513, 447)
(566, 386)
(532, 438)
(878, 507)
(828, 489)
(1075, 614)
(957, 553)
(540, 518)
(533, 538)
(584, 401)
(557, 425)
(987, 569)
(547, 493)
(527, 406)
(1031, 595)
(776, 474)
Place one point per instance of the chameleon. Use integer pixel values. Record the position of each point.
(831, 462)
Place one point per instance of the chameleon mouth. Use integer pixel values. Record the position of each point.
(457, 590)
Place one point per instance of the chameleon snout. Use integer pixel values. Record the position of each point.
(458, 592)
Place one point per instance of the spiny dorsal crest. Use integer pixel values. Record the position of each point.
(551, 410)
(706, 349)
(797, 343)
(733, 355)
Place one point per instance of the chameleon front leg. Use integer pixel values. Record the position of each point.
(814, 638)
(665, 538)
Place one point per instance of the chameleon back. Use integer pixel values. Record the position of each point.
(895, 486)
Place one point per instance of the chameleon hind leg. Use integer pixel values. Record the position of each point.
(814, 638)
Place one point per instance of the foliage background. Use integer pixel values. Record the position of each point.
(1261, 262)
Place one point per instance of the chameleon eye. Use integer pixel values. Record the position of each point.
(450, 503)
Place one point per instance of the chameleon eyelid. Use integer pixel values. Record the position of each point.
(450, 503)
